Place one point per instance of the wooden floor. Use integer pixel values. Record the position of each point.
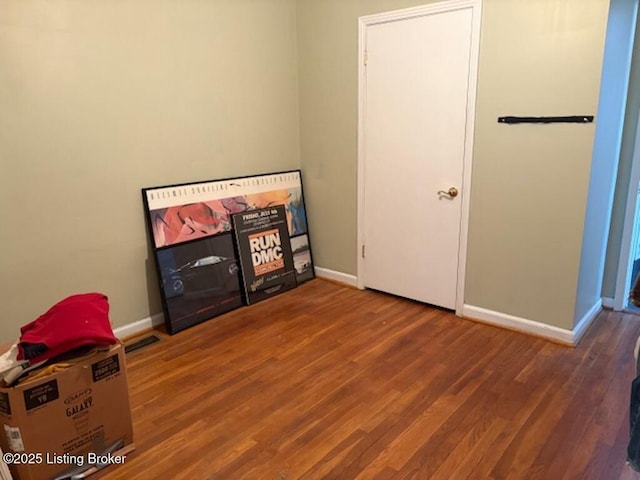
(328, 382)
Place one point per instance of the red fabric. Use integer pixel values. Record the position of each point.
(74, 322)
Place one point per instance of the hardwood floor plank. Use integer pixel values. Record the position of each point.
(329, 382)
(421, 430)
(465, 459)
(471, 416)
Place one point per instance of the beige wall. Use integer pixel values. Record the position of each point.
(530, 183)
(99, 99)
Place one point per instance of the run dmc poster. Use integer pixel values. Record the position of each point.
(266, 262)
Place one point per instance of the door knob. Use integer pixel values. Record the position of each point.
(452, 192)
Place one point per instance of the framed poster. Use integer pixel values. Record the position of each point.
(264, 250)
(199, 280)
(302, 261)
(188, 213)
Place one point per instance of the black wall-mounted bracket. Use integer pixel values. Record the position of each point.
(567, 119)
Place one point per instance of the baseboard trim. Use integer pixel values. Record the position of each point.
(585, 321)
(549, 332)
(339, 277)
(140, 326)
(510, 322)
(607, 302)
(135, 328)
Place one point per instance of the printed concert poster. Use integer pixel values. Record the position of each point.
(266, 261)
(183, 220)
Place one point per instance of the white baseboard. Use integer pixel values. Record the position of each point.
(585, 321)
(569, 337)
(131, 329)
(607, 302)
(345, 278)
(561, 335)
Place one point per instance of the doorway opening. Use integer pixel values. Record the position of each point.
(623, 265)
(634, 257)
(629, 264)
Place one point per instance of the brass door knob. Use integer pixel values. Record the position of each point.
(452, 192)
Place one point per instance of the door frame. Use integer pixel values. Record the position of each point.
(405, 14)
(630, 231)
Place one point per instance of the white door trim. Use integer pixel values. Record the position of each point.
(629, 230)
(364, 22)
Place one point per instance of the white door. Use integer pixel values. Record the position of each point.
(417, 83)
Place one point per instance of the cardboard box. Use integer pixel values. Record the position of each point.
(69, 421)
